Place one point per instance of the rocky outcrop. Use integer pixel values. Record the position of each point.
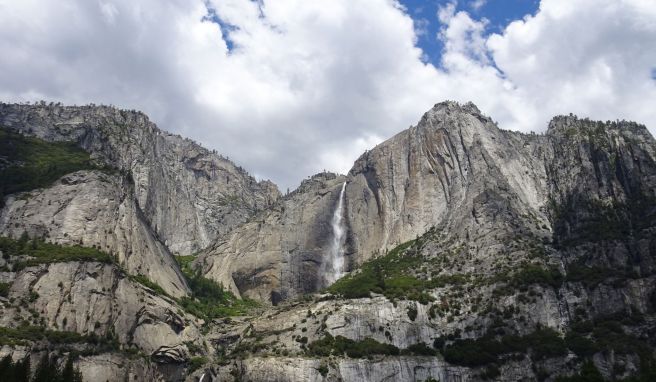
(188, 195)
(99, 299)
(524, 254)
(456, 170)
(278, 254)
(95, 209)
(114, 367)
(377, 370)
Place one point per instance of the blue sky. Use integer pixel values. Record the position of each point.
(499, 14)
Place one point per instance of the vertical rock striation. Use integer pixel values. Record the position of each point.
(187, 194)
(480, 185)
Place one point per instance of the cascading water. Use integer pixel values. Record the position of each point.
(334, 269)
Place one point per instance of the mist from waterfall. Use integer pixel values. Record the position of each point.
(334, 268)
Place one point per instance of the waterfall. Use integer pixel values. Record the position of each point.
(335, 266)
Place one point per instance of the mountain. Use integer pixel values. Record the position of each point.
(165, 194)
(456, 171)
(454, 251)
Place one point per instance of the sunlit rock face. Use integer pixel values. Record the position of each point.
(528, 231)
(506, 234)
(455, 170)
(95, 209)
(281, 252)
(186, 193)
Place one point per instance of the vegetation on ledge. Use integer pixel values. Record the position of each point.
(339, 345)
(586, 338)
(148, 283)
(392, 275)
(543, 343)
(37, 251)
(208, 298)
(4, 289)
(22, 334)
(28, 163)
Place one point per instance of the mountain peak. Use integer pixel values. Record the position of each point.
(452, 108)
(455, 106)
(452, 115)
(571, 126)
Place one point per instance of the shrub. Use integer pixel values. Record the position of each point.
(535, 274)
(4, 289)
(145, 281)
(21, 334)
(323, 370)
(470, 352)
(580, 344)
(421, 349)
(412, 313)
(33, 296)
(491, 372)
(588, 373)
(591, 276)
(195, 363)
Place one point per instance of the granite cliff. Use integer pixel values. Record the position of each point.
(472, 253)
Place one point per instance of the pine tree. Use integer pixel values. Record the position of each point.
(47, 370)
(69, 373)
(22, 370)
(22, 242)
(7, 369)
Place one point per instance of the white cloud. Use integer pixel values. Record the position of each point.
(310, 85)
(477, 4)
(461, 35)
(421, 27)
(589, 57)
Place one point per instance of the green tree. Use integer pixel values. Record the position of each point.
(22, 370)
(70, 373)
(46, 371)
(7, 369)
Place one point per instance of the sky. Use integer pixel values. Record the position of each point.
(289, 88)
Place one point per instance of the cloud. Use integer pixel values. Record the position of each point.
(421, 27)
(587, 56)
(287, 88)
(476, 5)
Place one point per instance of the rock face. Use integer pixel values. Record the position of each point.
(528, 231)
(95, 209)
(299, 369)
(444, 172)
(474, 253)
(187, 194)
(278, 254)
(100, 301)
(153, 195)
(455, 170)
